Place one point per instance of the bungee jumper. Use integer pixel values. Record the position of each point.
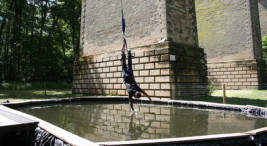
(127, 71)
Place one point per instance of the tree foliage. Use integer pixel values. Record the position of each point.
(264, 47)
(39, 39)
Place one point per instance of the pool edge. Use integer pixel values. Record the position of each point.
(77, 140)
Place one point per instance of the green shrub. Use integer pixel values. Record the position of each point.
(211, 88)
(5, 85)
(264, 47)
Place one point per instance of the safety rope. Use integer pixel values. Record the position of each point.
(122, 20)
(123, 29)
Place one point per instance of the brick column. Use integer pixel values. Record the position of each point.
(166, 70)
(232, 40)
(174, 69)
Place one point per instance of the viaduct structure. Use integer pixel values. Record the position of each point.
(167, 38)
(230, 33)
(263, 18)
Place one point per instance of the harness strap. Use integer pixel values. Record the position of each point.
(124, 46)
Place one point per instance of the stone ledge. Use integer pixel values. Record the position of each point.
(70, 138)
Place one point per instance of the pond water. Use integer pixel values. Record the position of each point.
(101, 122)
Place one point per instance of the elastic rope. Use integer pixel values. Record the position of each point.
(122, 19)
(123, 28)
(122, 10)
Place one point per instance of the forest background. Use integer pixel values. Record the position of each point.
(39, 40)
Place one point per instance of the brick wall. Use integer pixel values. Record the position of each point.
(175, 69)
(101, 24)
(235, 74)
(147, 22)
(169, 70)
(229, 30)
(263, 18)
(183, 30)
(166, 70)
(255, 29)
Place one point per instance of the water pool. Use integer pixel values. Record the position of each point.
(113, 121)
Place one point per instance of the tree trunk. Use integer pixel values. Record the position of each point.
(7, 55)
(14, 43)
(32, 53)
(40, 50)
(19, 40)
(43, 20)
(63, 46)
(4, 19)
(15, 49)
(54, 24)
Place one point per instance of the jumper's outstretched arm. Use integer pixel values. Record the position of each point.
(131, 102)
(144, 92)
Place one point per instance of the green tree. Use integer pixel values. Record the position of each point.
(39, 39)
(264, 47)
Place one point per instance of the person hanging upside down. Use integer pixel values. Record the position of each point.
(128, 77)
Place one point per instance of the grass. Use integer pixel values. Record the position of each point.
(239, 97)
(33, 94)
(35, 85)
(251, 94)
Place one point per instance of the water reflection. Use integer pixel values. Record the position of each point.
(101, 122)
(136, 130)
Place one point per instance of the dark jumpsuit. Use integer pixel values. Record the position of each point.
(128, 75)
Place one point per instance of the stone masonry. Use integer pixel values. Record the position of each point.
(147, 22)
(101, 24)
(174, 68)
(263, 18)
(166, 70)
(225, 29)
(231, 35)
(235, 74)
(166, 38)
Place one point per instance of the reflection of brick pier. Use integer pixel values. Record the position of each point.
(114, 122)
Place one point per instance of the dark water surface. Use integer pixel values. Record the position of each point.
(99, 122)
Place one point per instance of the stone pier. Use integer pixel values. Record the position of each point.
(162, 35)
(167, 38)
(166, 70)
(230, 32)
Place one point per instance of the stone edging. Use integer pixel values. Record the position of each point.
(65, 135)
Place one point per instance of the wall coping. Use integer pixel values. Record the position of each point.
(76, 140)
(160, 45)
(232, 61)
